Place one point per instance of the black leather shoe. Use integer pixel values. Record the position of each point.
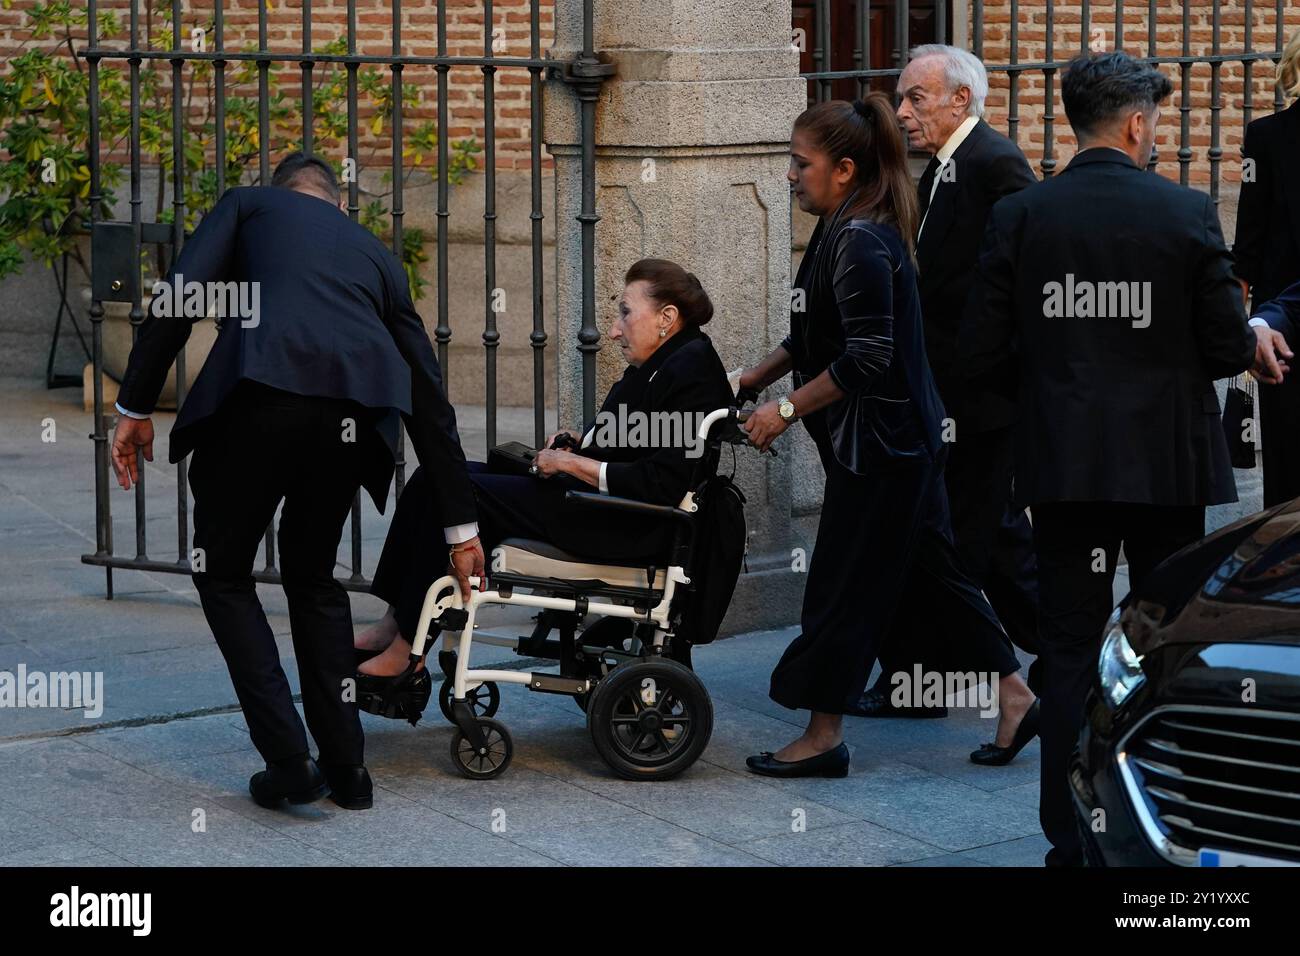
(832, 763)
(350, 785)
(875, 703)
(296, 779)
(991, 755)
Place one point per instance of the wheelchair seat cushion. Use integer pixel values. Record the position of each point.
(542, 559)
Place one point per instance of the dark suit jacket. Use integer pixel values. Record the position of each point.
(335, 320)
(1110, 411)
(684, 376)
(1282, 313)
(987, 166)
(1267, 246)
(862, 323)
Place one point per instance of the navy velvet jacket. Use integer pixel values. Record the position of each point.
(862, 323)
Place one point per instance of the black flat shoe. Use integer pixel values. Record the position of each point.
(991, 755)
(297, 780)
(403, 697)
(875, 703)
(832, 763)
(350, 785)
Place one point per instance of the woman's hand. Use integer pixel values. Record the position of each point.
(550, 463)
(765, 425)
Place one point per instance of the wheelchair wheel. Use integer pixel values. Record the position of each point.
(495, 758)
(650, 719)
(483, 699)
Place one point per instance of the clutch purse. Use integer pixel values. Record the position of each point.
(511, 458)
(1239, 422)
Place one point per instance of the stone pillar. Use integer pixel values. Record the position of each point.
(692, 136)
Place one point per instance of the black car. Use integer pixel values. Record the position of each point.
(1190, 753)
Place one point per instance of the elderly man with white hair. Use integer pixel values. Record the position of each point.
(973, 166)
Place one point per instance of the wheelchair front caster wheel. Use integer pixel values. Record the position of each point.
(483, 699)
(489, 762)
(650, 719)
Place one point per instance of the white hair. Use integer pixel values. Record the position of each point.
(960, 68)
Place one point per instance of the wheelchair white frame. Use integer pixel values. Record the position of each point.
(467, 679)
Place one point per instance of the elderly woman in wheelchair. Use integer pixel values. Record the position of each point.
(600, 524)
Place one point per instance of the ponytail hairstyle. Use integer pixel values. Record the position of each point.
(670, 284)
(866, 131)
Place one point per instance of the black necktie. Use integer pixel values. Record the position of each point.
(926, 185)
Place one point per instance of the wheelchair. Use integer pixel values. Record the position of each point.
(648, 713)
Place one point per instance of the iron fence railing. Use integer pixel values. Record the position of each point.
(583, 71)
(1137, 35)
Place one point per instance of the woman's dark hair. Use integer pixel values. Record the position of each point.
(670, 284)
(866, 131)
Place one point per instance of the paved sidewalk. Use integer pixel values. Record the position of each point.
(170, 751)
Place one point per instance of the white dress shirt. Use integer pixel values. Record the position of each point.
(945, 156)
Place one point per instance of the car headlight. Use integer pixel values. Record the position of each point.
(1119, 667)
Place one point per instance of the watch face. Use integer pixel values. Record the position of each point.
(786, 409)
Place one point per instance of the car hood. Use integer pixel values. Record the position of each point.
(1240, 584)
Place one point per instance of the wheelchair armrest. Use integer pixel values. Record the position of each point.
(627, 504)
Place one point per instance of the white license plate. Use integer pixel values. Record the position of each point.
(1210, 857)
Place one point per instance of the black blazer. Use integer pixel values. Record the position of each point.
(862, 322)
(1110, 411)
(336, 320)
(1267, 245)
(987, 166)
(1282, 313)
(684, 376)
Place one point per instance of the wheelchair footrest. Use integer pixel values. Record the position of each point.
(554, 684)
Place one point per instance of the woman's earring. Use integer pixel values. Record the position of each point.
(663, 333)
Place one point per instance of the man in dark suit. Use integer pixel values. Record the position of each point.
(1115, 291)
(298, 402)
(942, 94)
(1267, 260)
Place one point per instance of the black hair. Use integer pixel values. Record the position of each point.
(1096, 89)
(300, 167)
(670, 284)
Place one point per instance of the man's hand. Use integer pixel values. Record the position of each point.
(765, 425)
(1271, 355)
(130, 434)
(467, 561)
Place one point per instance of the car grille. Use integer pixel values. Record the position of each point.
(1217, 777)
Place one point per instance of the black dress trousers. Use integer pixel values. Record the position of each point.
(263, 447)
(883, 550)
(1075, 599)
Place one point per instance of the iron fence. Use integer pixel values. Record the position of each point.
(116, 246)
(1127, 37)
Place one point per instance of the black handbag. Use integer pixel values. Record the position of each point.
(511, 458)
(1239, 423)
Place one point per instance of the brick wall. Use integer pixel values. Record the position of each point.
(1031, 47)
(419, 19)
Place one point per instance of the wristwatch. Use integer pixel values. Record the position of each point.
(786, 409)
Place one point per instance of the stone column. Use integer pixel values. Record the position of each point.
(692, 137)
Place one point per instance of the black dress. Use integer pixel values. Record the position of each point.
(683, 376)
(883, 543)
